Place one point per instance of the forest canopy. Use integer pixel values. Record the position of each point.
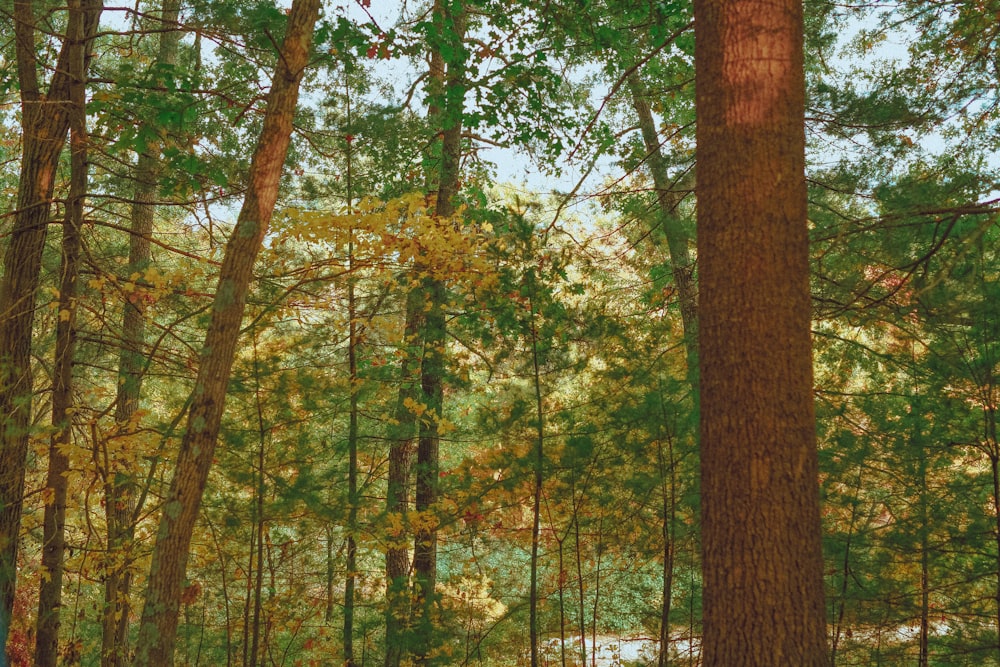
(460, 332)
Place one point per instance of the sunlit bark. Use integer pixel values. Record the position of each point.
(761, 555)
(158, 628)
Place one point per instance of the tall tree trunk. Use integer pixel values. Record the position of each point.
(761, 550)
(667, 465)
(44, 122)
(248, 595)
(158, 628)
(119, 488)
(994, 456)
(352, 476)
(845, 574)
(450, 90)
(581, 590)
(56, 483)
(352, 425)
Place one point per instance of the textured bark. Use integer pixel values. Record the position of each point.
(158, 627)
(44, 121)
(119, 487)
(54, 522)
(761, 555)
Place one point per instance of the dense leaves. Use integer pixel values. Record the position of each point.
(567, 364)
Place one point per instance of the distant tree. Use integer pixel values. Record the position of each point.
(119, 502)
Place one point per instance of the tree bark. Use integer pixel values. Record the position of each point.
(761, 552)
(119, 487)
(44, 121)
(56, 483)
(158, 627)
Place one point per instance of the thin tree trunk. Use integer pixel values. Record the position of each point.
(562, 608)
(682, 268)
(119, 487)
(668, 498)
(397, 556)
(328, 614)
(221, 555)
(579, 581)
(451, 24)
(352, 426)
(761, 533)
(54, 523)
(845, 574)
(597, 592)
(539, 474)
(261, 526)
(248, 595)
(923, 659)
(158, 627)
(678, 242)
(994, 455)
(44, 122)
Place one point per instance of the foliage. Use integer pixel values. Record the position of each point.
(903, 218)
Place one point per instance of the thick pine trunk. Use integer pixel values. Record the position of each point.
(761, 555)
(44, 120)
(158, 627)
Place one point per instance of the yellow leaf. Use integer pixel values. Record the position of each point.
(413, 406)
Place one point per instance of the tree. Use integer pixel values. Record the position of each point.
(119, 500)
(44, 121)
(57, 482)
(158, 629)
(761, 556)
(446, 109)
